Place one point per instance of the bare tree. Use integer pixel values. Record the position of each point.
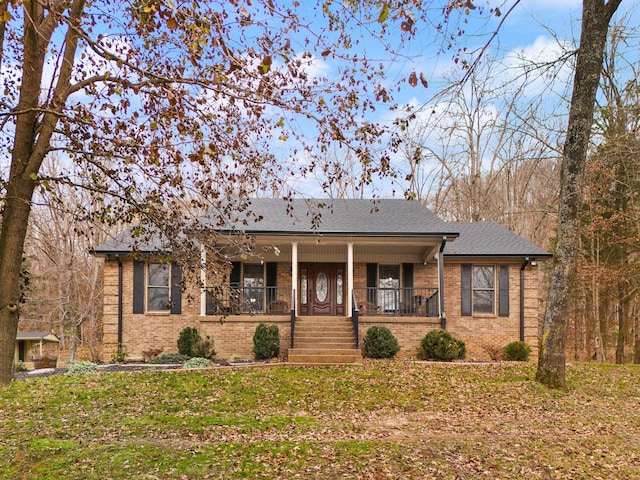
(65, 283)
(596, 16)
(480, 155)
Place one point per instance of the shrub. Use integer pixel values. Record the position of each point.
(191, 344)
(204, 348)
(20, 367)
(266, 341)
(440, 345)
(150, 354)
(517, 351)
(187, 341)
(379, 342)
(121, 355)
(197, 362)
(82, 367)
(495, 352)
(169, 358)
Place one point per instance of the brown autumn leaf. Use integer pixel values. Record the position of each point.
(413, 79)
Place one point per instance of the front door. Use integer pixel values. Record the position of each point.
(323, 293)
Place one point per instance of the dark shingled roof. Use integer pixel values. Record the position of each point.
(487, 239)
(354, 217)
(125, 242)
(384, 217)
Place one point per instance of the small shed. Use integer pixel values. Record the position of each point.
(29, 344)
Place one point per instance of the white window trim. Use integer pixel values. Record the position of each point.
(494, 302)
(147, 286)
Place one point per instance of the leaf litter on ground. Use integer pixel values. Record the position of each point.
(384, 419)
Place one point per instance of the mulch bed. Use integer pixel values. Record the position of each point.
(122, 367)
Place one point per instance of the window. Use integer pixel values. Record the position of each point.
(158, 287)
(482, 289)
(303, 286)
(484, 292)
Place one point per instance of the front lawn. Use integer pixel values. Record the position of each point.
(382, 420)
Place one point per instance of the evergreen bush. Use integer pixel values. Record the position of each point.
(191, 344)
(440, 345)
(266, 341)
(379, 342)
(187, 341)
(517, 351)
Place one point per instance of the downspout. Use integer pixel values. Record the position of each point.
(524, 265)
(119, 304)
(443, 316)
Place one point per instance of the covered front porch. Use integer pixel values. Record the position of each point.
(363, 280)
(331, 276)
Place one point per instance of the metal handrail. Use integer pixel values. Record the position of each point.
(355, 314)
(293, 314)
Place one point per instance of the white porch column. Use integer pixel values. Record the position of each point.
(294, 273)
(349, 277)
(203, 279)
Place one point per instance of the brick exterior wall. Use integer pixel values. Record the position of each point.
(233, 335)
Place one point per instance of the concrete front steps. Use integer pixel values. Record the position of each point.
(324, 340)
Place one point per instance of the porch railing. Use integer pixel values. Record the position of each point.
(411, 302)
(239, 300)
(355, 314)
(293, 316)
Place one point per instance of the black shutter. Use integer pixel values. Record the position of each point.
(407, 275)
(272, 281)
(465, 293)
(234, 278)
(503, 292)
(176, 288)
(138, 287)
(410, 303)
(372, 282)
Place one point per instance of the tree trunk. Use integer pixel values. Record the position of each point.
(636, 345)
(32, 139)
(14, 230)
(596, 15)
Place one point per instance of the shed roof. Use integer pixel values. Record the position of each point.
(47, 336)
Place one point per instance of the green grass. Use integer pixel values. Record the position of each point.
(385, 419)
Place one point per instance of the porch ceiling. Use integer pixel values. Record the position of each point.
(378, 250)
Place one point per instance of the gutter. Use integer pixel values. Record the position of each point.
(443, 316)
(120, 269)
(522, 268)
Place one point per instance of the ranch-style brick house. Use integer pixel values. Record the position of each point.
(325, 280)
